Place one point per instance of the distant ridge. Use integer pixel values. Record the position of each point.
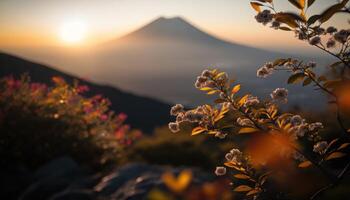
(172, 28)
(143, 113)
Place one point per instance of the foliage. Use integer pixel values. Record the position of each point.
(279, 142)
(182, 187)
(164, 148)
(39, 123)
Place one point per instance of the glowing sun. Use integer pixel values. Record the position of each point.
(73, 31)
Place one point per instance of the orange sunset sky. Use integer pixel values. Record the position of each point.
(37, 23)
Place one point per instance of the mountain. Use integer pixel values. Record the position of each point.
(143, 113)
(162, 59)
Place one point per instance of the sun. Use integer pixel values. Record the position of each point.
(73, 32)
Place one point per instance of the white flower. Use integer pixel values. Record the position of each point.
(321, 147)
(210, 84)
(296, 120)
(280, 95)
(222, 95)
(330, 43)
(193, 116)
(174, 127)
(311, 64)
(234, 155)
(319, 30)
(315, 40)
(220, 135)
(300, 130)
(342, 35)
(244, 122)
(301, 35)
(275, 24)
(251, 101)
(175, 110)
(331, 30)
(220, 171)
(297, 156)
(264, 71)
(315, 126)
(180, 118)
(206, 73)
(264, 17)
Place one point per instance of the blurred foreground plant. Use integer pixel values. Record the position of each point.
(181, 187)
(39, 123)
(279, 143)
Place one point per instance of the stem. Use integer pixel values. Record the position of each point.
(333, 54)
(337, 181)
(340, 121)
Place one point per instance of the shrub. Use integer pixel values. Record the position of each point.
(39, 123)
(280, 142)
(177, 150)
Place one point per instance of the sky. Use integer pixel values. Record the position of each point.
(42, 22)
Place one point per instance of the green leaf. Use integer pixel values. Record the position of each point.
(296, 78)
(242, 188)
(247, 130)
(335, 155)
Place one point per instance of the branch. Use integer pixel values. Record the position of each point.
(340, 177)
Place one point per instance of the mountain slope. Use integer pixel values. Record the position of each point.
(163, 58)
(144, 113)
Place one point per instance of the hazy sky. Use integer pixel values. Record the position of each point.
(40, 22)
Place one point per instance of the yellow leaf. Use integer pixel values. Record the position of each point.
(219, 74)
(243, 188)
(256, 6)
(343, 146)
(247, 130)
(217, 118)
(243, 100)
(206, 88)
(178, 184)
(212, 92)
(198, 130)
(236, 89)
(252, 192)
(305, 164)
(296, 78)
(274, 113)
(241, 176)
(335, 155)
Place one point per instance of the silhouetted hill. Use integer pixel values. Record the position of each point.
(144, 113)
